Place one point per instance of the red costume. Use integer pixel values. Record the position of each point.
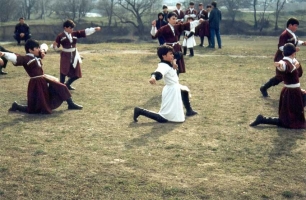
(70, 61)
(171, 39)
(44, 94)
(291, 105)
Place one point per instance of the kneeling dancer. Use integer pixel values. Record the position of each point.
(45, 93)
(173, 93)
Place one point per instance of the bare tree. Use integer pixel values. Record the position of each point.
(107, 6)
(26, 7)
(254, 5)
(133, 12)
(233, 6)
(7, 10)
(72, 9)
(263, 20)
(279, 7)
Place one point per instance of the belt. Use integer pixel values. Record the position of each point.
(297, 85)
(77, 56)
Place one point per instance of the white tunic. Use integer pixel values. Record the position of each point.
(189, 42)
(172, 105)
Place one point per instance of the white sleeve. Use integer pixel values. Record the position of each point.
(281, 48)
(89, 31)
(153, 31)
(282, 67)
(193, 15)
(163, 68)
(300, 42)
(194, 24)
(11, 57)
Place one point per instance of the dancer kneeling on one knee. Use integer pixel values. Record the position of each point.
(45, 93)
(174, 95)
(291, 103)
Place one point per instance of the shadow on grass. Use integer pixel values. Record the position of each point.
(285, 142)
(25, 117)
(157, 130)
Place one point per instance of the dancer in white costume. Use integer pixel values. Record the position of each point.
(189, 41)
(174, 95)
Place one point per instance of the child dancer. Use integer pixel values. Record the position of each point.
(291, 103)
(45, 93)
(70, 58)
(173, 93)
(189, 41)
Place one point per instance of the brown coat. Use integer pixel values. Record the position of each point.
(170, 38)
(291, 105)
(44, 94)
(67, 58)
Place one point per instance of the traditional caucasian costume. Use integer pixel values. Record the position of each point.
(292, 98)
(287, 36)
(45, 93)
(70, 58)
(170, 34)
(174, 95)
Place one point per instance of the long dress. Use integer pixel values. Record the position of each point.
(291, 105)
(44, 92)
(171, 106)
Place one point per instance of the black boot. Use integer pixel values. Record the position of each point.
(272, 82)
(3, 66)
(139, 111)
(16, 106)
(72, 105)
(186, 102)
(191, 52)
(185, 50)
(202, 41)
(70, 81)
(62, 78)
(265, 120)
(1, 71)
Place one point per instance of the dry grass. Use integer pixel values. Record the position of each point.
(99, 153)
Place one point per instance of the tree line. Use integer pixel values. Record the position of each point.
(135, 13)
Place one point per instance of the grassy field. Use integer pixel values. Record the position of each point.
(100, 153)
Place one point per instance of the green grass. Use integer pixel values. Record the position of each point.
(99, 153)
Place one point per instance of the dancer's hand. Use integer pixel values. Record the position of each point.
(152, 81)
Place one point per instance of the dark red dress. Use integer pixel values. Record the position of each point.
(44, 94)
(171, 39)
(291, 105)
(285, 37)
(67, 58)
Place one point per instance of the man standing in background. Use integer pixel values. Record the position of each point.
(215, 17)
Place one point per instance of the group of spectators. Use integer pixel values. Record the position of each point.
(209, 28)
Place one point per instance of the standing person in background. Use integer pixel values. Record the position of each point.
(203, 29)
(159, 23)
(180, 15)
(215, 17)
(190, 12)
(22, 31)
(286, 36)
(189, 42)
(70, 58)
(165, 13)
(170, 32)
